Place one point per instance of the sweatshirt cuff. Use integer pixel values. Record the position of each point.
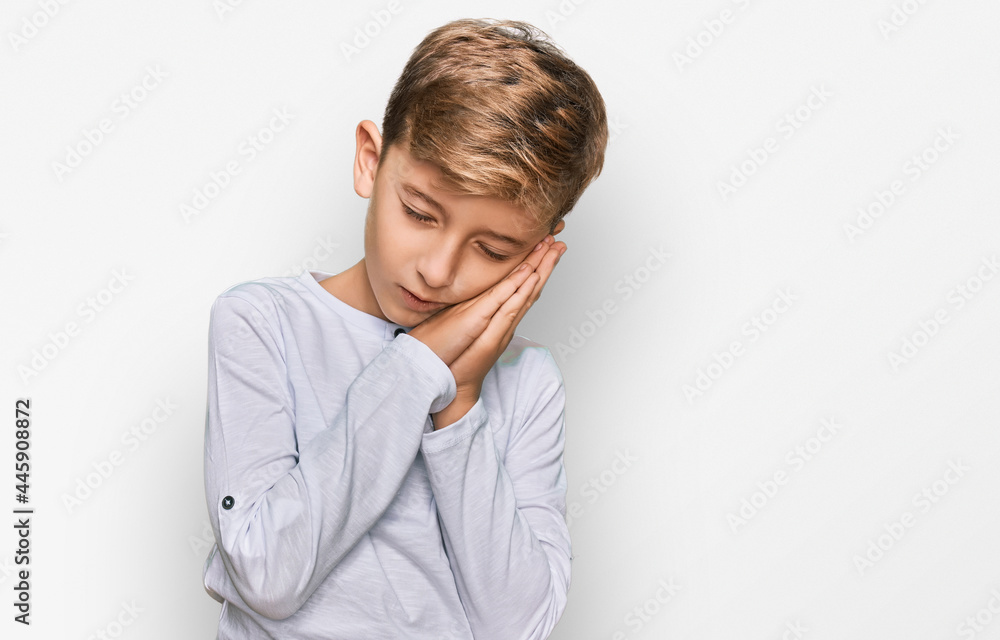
(456, 432)
(432, 366)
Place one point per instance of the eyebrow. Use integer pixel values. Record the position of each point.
(417, 193)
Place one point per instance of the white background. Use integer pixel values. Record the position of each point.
(844, 546)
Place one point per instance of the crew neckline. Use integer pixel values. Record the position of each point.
(382, 328)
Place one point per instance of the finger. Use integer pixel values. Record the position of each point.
(487, 302)
(509, 315)
(547, 265)
(512, 328)
(536, 255)
(505, 315)
(544, 271)
(505, 320)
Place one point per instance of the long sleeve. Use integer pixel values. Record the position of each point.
(503, 521)
(284, 514)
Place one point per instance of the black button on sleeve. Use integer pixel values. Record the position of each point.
(228, 502)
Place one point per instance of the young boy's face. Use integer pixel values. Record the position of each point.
(444, 253)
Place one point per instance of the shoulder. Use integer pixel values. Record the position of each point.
(266, 296)
(530, 367)
(533, 354)
(252, 307)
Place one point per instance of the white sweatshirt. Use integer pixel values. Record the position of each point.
(339, 512)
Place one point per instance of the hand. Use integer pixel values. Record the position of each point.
(471, 335)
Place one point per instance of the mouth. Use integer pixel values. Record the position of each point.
(421, 299)
(419, 304)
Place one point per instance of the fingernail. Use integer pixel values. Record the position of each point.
(539, 246)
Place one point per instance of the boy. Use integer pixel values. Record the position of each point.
(383, 456)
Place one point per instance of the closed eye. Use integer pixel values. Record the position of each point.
(414, 214)
(422, 218)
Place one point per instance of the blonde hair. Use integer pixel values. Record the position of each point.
(502, 112)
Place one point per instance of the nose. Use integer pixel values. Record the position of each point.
(438, 264)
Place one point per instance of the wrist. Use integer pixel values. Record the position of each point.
(454, 412)
(467, 395)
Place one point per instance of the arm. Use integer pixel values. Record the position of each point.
(503, 521)
(298, 510)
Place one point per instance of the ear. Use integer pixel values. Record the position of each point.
(369, 147)
(559, 227)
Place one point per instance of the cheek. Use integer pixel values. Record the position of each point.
(371, 227)
(483, 279)
(382, 232)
